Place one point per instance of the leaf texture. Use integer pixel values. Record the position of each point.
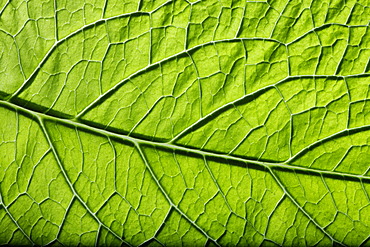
(169, 123)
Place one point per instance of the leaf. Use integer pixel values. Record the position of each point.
(184, 123)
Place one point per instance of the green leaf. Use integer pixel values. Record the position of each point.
(184, 123)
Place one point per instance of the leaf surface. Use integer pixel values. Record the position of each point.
(184, 123)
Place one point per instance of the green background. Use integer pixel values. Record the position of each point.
(193, 123)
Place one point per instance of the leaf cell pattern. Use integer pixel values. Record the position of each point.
(182, 122)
